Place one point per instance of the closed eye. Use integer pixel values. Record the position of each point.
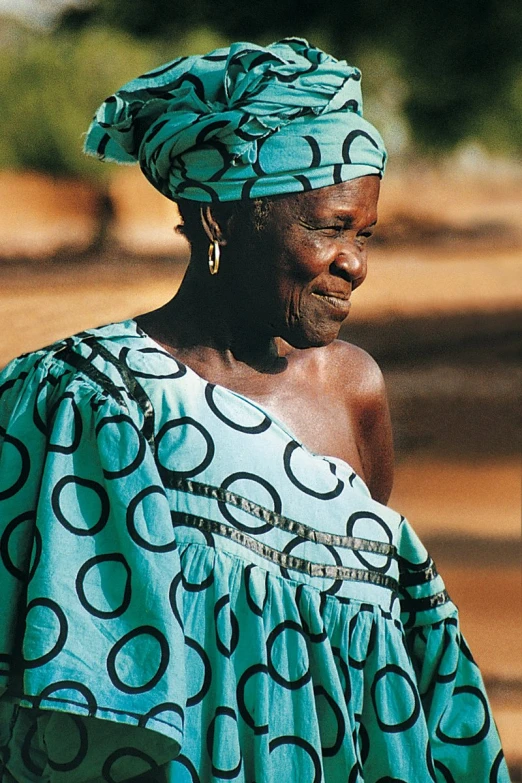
(335, 230)
(332, 230)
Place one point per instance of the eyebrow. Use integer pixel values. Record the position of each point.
(349, 221)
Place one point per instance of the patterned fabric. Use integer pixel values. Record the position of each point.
(187, 589)
(241, 122)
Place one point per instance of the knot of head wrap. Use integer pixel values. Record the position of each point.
(241, 122)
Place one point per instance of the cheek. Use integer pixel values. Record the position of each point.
(278, 271)
(295, 276)
(307, 260)
(281, 296)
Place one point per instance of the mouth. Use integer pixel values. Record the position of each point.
(337, 301)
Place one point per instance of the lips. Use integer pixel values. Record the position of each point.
(337, 300)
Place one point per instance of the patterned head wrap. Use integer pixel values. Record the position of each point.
(241, 122)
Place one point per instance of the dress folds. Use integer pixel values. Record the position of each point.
(188, 593)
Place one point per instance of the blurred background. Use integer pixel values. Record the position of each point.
(83, 244)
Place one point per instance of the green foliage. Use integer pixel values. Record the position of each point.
(49, 88)
(461, 58)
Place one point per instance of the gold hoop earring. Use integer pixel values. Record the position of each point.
(214, 254)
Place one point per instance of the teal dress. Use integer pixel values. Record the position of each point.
(189, 594)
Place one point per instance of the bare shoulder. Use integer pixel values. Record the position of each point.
(354, 368)
(358, 380)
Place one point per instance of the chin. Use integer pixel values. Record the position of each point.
(312, 338)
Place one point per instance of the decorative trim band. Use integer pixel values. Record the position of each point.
(277, 520)
(413, 578)
(424, 604)
(280, 558)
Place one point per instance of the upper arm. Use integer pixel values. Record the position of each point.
(366, 399)
(376, 439)
(79, 482)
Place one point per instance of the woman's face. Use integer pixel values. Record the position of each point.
(295, 275)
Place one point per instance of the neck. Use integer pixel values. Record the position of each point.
(204, 324)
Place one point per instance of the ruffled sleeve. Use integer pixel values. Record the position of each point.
(87, 556)
(464, 742)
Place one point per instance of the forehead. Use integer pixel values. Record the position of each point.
(357, 196)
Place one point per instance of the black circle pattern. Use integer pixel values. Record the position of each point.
(183, 424)
(253, 479)
(163, 359)
(480, 708)
(250, 429)
(222, 607)
(86, 702)
(132, 527)
(192, 116)
(372, 517)
(259, 640)
(25, 752)
(380, 680)
(330, 494)
(337, 713)
(232, 772)
(275, 635)
(25, 465)
(67, 402)
(306, 747)
(248, 674)
(112, 659)
(76, 735)
(61, 637)
(118, 421)
(99, 491)
(115, 559)
(15, 569)
(125, 753)
(295, 542)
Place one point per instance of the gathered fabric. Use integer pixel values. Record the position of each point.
(241, 122)
(188, 591)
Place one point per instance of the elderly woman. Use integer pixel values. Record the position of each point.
(191, 590)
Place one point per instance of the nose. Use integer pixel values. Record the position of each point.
(350, 263)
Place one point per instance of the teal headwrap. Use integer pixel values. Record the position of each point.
(241, 122)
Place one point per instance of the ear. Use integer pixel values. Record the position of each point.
(212, 225)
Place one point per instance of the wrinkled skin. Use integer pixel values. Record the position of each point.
(266, 325)
(296, 280)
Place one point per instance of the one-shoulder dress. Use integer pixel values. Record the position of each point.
(188, 594)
